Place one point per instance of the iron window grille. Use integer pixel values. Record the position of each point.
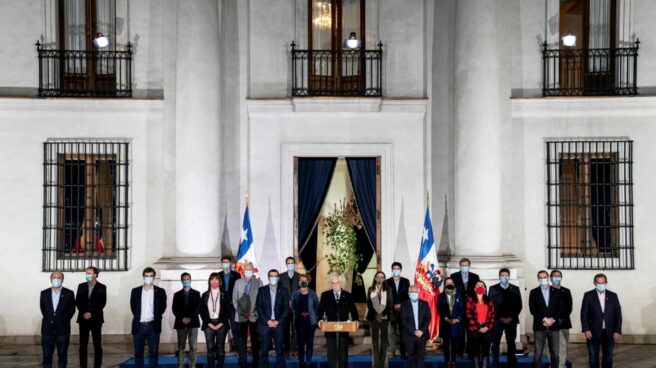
(85, 205)
(590, 204)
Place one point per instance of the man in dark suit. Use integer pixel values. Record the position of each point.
(228, 284)
(186, 308)
(289, 280)
(336, 305)
(545, 305)
(465, 282)
(90, 299)
(272, 306)
(399, 286)
(415, 319)
(148, 303)
(507, 306)
(565, 322)
(57, 308)
(601, 322)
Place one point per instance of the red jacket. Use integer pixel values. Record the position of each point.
(472, 316)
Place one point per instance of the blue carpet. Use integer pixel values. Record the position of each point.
(355, 361)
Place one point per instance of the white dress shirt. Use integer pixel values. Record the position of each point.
(147, 305)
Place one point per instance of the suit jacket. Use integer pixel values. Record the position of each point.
(227, 289)
(238, 292)
(263, 307)
(467, 290)
(290, 285)
(57, 322)
(458, 312)
(408, 320)
(224, 310)
(566, 295)
(335, 311)
(388, 312)
(540, 310)
(507, 302)
(400, 296)
(93, 304)
(159, 306)
(592, 317)
(190, 311)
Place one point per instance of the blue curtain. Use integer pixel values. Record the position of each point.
(314, 176)
(363, 178)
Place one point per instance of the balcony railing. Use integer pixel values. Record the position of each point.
(590, 72)
(337, 72)
(84, 73)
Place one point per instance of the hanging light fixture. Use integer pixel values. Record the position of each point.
(101, 40)
(352, 42)
(323, 20)
(569, 39)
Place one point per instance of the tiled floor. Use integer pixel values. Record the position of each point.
(627, 356)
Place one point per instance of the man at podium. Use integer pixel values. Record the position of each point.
(335, 306)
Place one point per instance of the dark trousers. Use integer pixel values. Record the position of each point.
(379, 343)
(48, 344)
(510, 330)
(551, 336)
(290, 335)
(607, 345)
(396, 327)
(478, 345)
(416, 349)
(95, 329)
(277, 335)
(337, 344)
(215, 341)
(234, 328)
(246, 328)
(146, 332)
(305, 340)
(451, 347)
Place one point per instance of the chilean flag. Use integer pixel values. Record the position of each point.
(427, 270)
(246, 251)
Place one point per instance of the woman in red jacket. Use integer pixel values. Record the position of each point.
(480, 314)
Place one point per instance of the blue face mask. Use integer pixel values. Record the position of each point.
(273, 281)
(464, 269)
(56, 283)
(186, 283)
(226, 266)
(148, 280)
(503, 279)
(248, 274)
(414, 296)
(290, 267)
(396, 273)
(600, 287)
(88, 277)
(556, 280)
(543, 282)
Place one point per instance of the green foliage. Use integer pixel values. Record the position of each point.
(342, 240)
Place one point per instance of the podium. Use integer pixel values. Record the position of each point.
(333, 326)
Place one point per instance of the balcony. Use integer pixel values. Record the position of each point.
(590, 72)
(84, 73)
(352, 73)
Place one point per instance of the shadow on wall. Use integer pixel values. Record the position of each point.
(647, 315)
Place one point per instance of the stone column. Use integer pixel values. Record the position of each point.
(197, 129)
(477, 130)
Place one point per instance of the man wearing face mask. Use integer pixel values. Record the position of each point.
(272, 306)
(601, 322)
(147, 303)
(186, 308)
(465, 282)
(399, 286)
(57, 305)
(415, 319)
(546, 307)
(244, 297)
(565, 322)
(229, 279)
(289, 280)
(507, 306)
(336, 305)
(90, 299)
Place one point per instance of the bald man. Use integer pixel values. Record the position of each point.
(57, 308)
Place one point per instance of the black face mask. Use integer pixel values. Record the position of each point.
(303, 284)
(450, 287)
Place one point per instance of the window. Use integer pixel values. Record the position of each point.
(590, 204)
(85, 205)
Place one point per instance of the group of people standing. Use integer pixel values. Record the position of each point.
(286, 312)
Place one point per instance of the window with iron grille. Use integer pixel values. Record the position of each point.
(590, 204)
(85, 209)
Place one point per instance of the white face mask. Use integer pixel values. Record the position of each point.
(148, 280)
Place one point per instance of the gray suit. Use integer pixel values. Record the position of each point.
(237, 293)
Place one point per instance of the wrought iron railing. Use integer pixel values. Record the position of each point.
(356, 72)
(590, 72)
(84, 73)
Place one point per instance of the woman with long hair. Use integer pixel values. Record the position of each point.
(305, 305)
(451, 309)
(214, 313)
(379, 315)
(480, 314)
